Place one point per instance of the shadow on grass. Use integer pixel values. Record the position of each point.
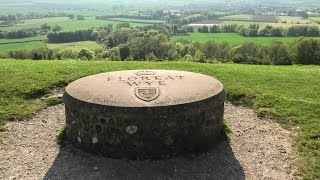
(219, 164)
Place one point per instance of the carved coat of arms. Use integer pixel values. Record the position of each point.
(147, 93)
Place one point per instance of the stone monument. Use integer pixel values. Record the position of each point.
(144, 114)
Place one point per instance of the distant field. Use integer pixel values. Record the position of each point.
(237, 17)
(28, 45)
(25, 45)
(66, 23)
(23, 39)
(264, 18)
(232, 38)
(79, 45)
(294, 20)
(138, 20)
(244, 23)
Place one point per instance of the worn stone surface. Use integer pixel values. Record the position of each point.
(144, 113)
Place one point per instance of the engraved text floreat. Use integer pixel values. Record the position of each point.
(147, 84)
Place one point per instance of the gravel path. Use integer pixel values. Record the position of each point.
(258, 149)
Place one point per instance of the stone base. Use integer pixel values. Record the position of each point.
(146, 133)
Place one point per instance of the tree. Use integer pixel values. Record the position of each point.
(279, 54)
(276, 32)
(205, 29)
(80, 17)
(199, 57)
(86, 54)
(124, 51)
(214, 29)
(45, 27)
(71, 16)
(123, 25)
(56, 28)
(210, 49)
(308, 51)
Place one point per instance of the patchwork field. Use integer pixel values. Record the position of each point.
(7, 45)
(17, 46)
(137, 20)
(67, 24)
(79, 45)
(232, 38)
(264, 18)
(294, 20)
(244, 17)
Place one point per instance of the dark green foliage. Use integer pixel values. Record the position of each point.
(86, 54)
(123, 25)
(308, 51)
(70, 36)
(278, 54)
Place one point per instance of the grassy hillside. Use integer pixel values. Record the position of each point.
(232, 38)
(69, 25)
(288, 94)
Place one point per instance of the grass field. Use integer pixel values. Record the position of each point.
(25, 45)
(13, 47)
(66, 23)
(79, 45)
(138, 20)
(290, 21)
(289, 94)
(23, 39)
(237, 17)
(232, 38)
(294, 20)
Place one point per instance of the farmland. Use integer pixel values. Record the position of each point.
(232, 38)
(17, 46)
(294, 20)
(70, 25)
(79, 45)
(264, 18)
(239, 17)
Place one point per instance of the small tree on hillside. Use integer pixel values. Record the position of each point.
(56, 28)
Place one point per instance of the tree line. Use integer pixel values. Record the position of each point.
(128, 44)
(254, 30)
(31, 32)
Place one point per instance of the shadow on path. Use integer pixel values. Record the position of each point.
(220, 164)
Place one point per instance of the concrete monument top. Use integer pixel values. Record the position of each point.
(144, 88)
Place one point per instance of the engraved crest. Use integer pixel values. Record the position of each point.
(145, 73)
(147, 93)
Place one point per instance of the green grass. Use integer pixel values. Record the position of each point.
(17, 46)
(23, 39)
(79, 45)
(28, 45)
(66, 23)
(232, 38)
(289, 94)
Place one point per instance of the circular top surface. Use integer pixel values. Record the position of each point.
(144, 88)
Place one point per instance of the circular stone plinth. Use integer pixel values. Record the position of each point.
(144, 114)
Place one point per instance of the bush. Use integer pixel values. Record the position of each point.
(86, 54)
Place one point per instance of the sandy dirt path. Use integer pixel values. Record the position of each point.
(258, 149)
